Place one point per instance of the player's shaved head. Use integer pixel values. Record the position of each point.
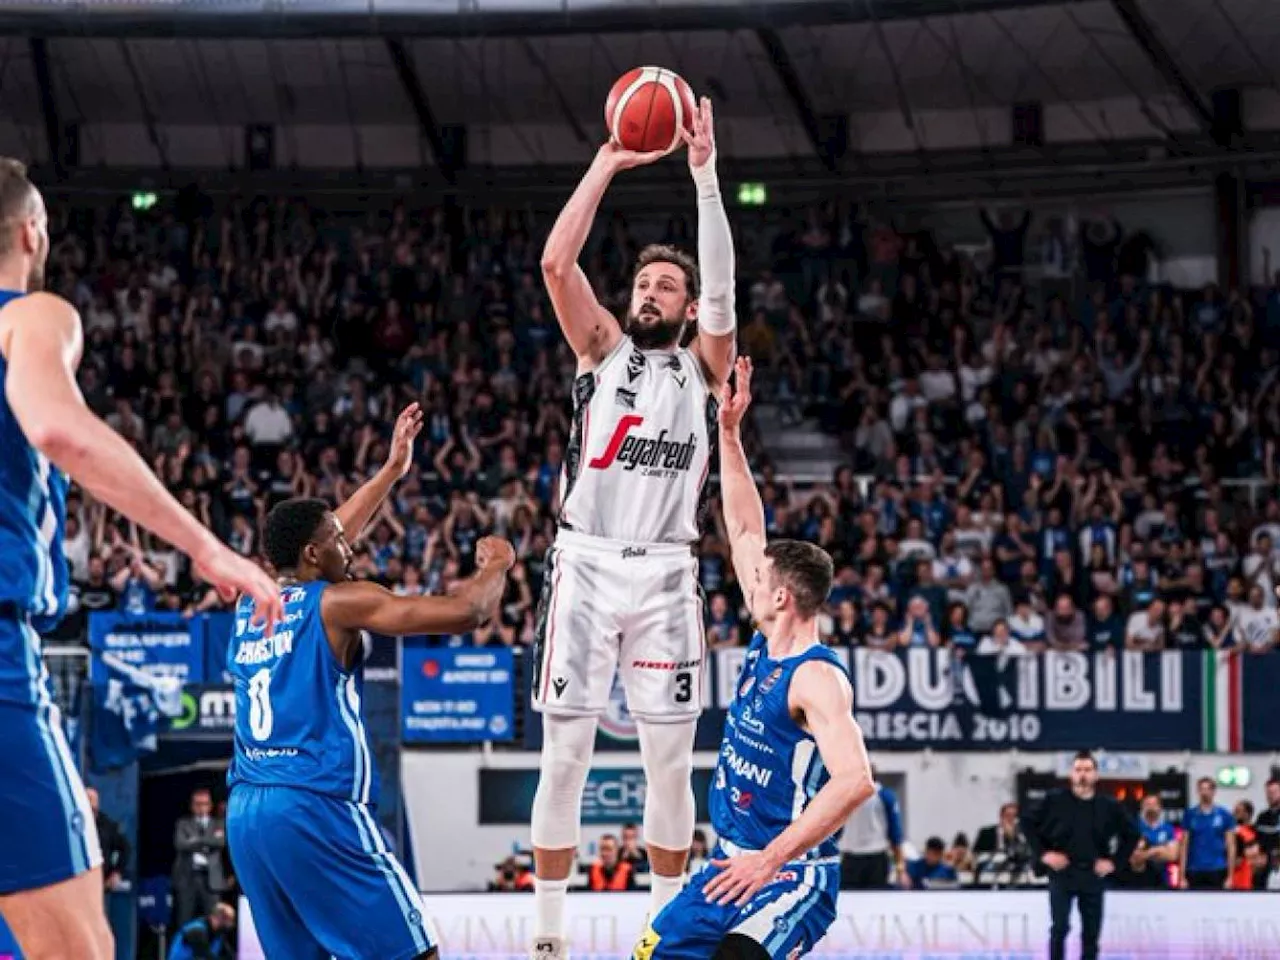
(805, 569)
(290, 526)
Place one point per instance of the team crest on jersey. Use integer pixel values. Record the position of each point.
(625, 398)
(771, 680)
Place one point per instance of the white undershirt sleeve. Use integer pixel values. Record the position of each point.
(717, 314)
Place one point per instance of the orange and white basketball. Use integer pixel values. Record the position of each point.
(647, 107)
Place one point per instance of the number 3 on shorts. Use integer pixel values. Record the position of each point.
(261, 719)
(684, 686)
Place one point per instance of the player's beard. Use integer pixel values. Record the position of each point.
(656, 332)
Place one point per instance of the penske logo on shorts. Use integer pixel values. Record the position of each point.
(665, 664)
(652, 455)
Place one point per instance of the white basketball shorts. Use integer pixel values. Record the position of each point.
(609, 607)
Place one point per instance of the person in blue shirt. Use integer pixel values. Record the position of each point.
(792, 765)
(207, 938)
(304, 783)
(1149, 864)
(1209, 848)
(930, 870)
(50, 862)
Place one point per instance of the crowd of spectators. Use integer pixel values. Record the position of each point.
(1049, 457)
(1044, 471)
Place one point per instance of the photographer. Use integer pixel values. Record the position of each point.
(1080, 837)
(511, 876)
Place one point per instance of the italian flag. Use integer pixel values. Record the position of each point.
(1221, 702)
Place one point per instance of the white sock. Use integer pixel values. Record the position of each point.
(662, 890)
(549, 898)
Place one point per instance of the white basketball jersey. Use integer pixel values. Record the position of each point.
(640, 447)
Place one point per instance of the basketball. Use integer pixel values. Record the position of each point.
(647, 107)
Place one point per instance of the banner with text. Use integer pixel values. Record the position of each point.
(910, 699)
(1055, 701)
(974, 925)
(610, 797)
(457, 694)
(158, 644)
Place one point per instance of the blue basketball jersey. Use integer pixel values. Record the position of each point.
(33, 570)
(298, 714)
(769, 768)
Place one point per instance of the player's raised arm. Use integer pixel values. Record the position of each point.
(592, 331)
(717, 338)
(743, 511)
(822, 693)
(366, 606)
(43, 348)
(359, 508)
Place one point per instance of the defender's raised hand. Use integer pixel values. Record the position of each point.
(702, 141)
(408, 426)
(737, 395)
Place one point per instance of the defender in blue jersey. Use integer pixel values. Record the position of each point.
(792, 765)
(50, 862)
(304, 787)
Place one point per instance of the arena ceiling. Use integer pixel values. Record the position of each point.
(777, 65)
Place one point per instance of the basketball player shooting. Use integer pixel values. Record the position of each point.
(621, 590)
(308, 853)
(792, 765)
(51, 865)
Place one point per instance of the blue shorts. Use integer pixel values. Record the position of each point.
(47, 830)
(320, 879)
(787, 917)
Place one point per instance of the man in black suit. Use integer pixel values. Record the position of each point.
(198, 878)
(1080, 837)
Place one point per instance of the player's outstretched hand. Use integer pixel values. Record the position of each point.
(408, 426)
(702, 141)
(737, 395)
(740, 878)
(619, 157)
(495, 550)
(231, 574)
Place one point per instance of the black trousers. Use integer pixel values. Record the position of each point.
(1206, 879)
(1086, 889)
(192, 897)
(864, 871)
